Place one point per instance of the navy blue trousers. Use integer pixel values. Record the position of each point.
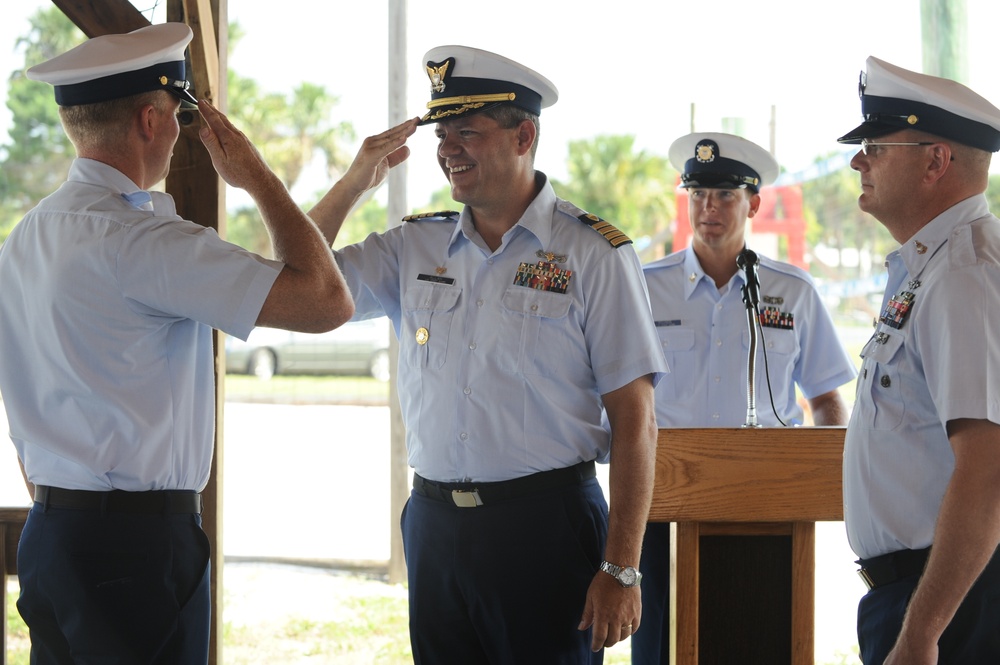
(504, 583)
(114, 589)
(651, 643)
(972, 637)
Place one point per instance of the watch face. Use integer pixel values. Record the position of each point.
(628, 576)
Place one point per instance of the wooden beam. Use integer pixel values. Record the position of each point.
(200, 196)
(204, 49)
(102, 17)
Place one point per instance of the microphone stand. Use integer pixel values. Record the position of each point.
(750, 289)
(751, 362)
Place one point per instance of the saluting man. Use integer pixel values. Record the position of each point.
(106, 315)
(512, 556)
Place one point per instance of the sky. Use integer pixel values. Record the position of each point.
(655, 69)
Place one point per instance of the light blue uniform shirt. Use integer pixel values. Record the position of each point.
(706, 341)
(508, 379)
(941, 363)
(106, 316)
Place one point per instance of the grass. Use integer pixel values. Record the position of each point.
(373, 631)
(370, 629)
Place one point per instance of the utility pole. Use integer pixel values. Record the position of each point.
(399, 477)
(944, 29)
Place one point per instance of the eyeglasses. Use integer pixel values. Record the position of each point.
(867, 145)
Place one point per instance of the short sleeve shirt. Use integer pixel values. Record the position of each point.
(504, 355)
(106, 320)
(934, 357)
(705, 337)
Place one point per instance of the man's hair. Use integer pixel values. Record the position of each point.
(509, 116)
(104, 125)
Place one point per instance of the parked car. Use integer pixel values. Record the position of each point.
(355, 348)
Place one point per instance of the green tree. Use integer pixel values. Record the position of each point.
(440, 201)
(291, 132)
(993, 194)
(632, 190)
(836, 221)
(37, 156)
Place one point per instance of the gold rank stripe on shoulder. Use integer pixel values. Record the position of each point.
(430, 215)
(616, 237)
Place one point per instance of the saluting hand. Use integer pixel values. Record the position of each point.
(234, 157)
(377, 155)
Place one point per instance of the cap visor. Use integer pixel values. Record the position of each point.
(867, 130)
(187, 99)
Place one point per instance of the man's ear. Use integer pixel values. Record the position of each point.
(145, 118)
(526, 135)
(940, 161)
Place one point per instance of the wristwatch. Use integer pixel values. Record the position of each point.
(627, 576)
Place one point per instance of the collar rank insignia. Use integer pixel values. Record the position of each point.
(897, 309)
(438, 72)
(544, 276)
(606, 229)
(772, 317)
(551, 256)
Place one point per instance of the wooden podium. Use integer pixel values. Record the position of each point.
(744, 503)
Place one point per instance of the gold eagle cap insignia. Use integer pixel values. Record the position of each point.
(437, 73)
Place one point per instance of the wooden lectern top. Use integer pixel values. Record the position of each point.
(767, 474)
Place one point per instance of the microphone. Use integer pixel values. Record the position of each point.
(747, 261)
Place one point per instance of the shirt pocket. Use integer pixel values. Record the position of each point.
(534, 337)
(880, 396)
(774, 340)
(428, 311)
(678, 346)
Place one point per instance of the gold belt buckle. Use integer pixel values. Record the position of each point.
(466, 498)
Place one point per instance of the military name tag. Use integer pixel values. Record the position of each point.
(437, 279)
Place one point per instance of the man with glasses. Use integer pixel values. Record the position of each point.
(922, 455)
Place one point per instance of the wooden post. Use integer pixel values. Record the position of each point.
(200, 196)
(399, 475)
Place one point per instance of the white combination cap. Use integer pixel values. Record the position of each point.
(713, 160)
(114, 66)
(893, 98)
(467, 80)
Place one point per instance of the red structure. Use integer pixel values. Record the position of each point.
(780, 213)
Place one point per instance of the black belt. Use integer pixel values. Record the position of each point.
(892, 567)
(119, 501)
(471, 495)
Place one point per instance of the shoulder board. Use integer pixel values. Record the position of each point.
(669, 261)
(786, 269)
(606, 229)
(444, 214)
